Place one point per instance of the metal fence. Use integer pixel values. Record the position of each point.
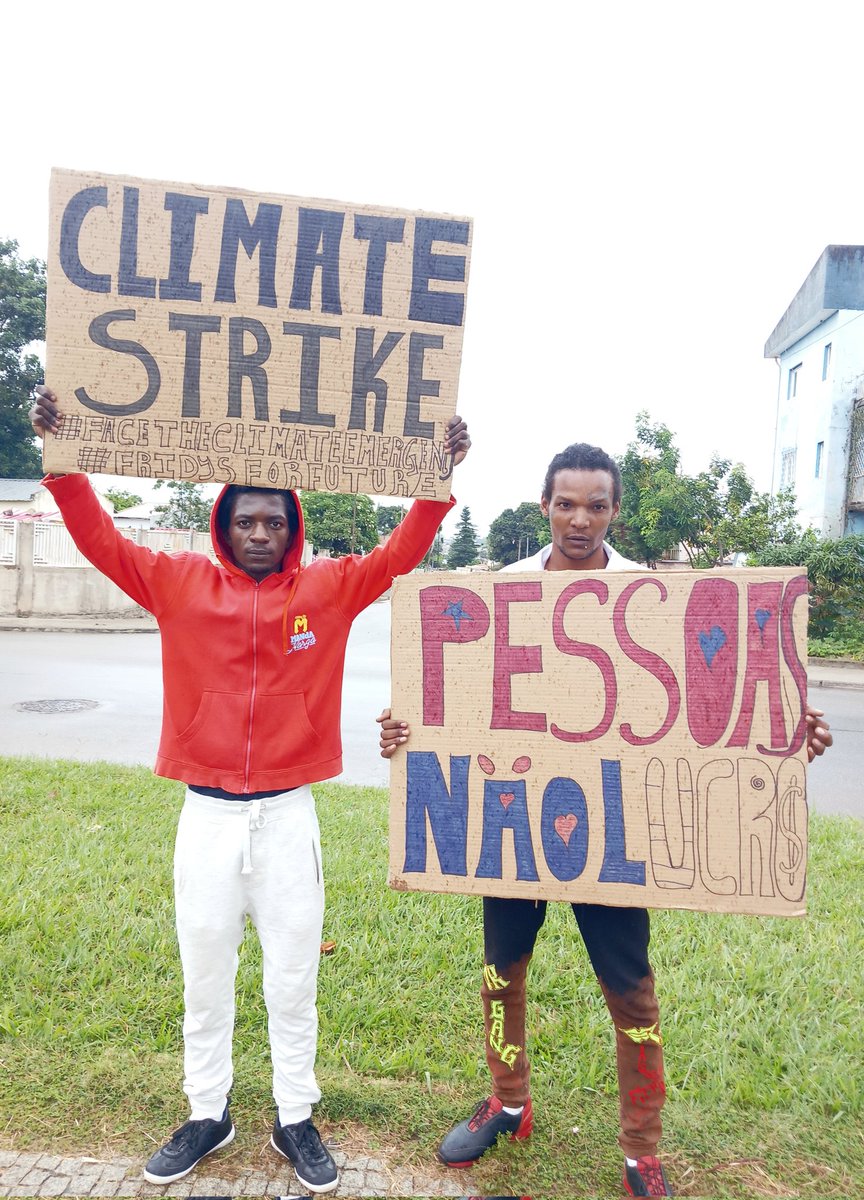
(53, 547)
(169, 540)
(8, 543)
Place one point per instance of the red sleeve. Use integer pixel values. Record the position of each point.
(366, 577)
(149, 578)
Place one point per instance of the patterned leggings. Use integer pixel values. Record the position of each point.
(617, 943)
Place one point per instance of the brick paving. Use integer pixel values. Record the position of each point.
(33, 1174)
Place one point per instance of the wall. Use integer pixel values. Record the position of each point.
(8, 590)
(28, 590)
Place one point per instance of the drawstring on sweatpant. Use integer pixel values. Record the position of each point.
(254, 820)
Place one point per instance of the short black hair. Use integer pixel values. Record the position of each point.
(582, 457)
(229, 499)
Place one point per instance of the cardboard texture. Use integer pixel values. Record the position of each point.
(214, 334)
(623, 738)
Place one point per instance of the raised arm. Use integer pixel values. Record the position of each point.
(150, 579)
(366, 577)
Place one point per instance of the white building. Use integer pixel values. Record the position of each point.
(137, 516)
(818, 345)
(25, 499)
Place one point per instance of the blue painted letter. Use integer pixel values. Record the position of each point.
(505, 806)
(448, 812)
(617, 868)
(564, 828)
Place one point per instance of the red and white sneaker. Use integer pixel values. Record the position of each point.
(647, 1178)
(469, 1140)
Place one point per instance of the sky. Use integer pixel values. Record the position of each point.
(649, 184)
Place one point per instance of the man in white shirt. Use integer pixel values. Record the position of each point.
(581, 498)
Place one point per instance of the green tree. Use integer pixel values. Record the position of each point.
(652, 499)
(186, 509)
(340, 524)
(517, 533)
(712, 515)
(121, 499)
(731, 517)
(835, 572)
(22, 321)
(463, 548)
(388, 516)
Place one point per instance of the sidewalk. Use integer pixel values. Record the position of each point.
(35, 1174)
(835, 673)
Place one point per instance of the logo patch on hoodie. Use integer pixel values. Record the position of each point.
(302, 638)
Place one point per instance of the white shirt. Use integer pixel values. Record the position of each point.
(538, 561)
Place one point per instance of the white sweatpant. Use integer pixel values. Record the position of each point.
(261, 859)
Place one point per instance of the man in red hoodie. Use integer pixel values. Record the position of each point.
(252, 657)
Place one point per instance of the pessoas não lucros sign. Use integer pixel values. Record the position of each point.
(623, 738)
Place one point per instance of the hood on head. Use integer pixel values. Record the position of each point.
(293, 554)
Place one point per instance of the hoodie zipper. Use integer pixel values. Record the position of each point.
(254, 688)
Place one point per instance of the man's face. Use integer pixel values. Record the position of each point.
(258, 533)
(580, 511)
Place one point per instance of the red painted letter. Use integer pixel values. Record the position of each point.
(447, 614)
(651, 662)
(711, 657)
(794, 588)
(763, 663)
(513, 660)
(585, 650)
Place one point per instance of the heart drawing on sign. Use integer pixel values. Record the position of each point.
(763, 616)
(712, 642)
(564, 827)
(507, 798)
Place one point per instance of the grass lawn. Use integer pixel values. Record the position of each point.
(762, 1017)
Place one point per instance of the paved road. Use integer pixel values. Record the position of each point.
(835, 782)
(121, 671)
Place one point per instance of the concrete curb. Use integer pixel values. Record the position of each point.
(35, 1174)
(835, 673)
(851, 685)
(145, 624)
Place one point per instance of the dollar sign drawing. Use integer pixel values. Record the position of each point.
(787, 829)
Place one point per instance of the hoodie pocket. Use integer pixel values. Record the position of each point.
(282, 734)
(216, 735)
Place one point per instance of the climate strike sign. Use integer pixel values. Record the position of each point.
(624, 738)
(220, 335)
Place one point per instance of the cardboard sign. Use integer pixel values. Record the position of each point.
(620, 738)
(220, 335)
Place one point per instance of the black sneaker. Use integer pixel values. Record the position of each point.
(188, 1145)
(469, 1140)
(301, 1145)
(647, 1178)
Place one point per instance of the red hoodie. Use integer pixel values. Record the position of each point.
(252, 672)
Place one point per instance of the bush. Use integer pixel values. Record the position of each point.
(835, 571)
(846, 642)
